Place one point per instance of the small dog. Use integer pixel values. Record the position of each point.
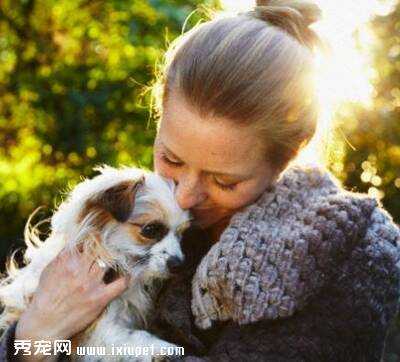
(130, 221)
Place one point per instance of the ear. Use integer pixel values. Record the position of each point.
(119, 200)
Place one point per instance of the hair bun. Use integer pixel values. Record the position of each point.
(293, 16)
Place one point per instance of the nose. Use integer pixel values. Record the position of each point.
(174, 263)
(189, 193)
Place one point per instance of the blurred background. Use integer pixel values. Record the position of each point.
(73, 96)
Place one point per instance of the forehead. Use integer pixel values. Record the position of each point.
(212, 142)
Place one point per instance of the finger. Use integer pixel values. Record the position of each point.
(87, 258)
(65, 252)
(70, 254)
(59, 260)
(80, 247)
(97, 269)
(115, 288)
(73, 261)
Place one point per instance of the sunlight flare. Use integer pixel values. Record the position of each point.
(345, 75)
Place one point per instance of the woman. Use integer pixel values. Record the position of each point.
(283, 264)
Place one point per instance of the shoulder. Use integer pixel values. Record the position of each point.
(375, 259)
(279, 251)
(300, 189)
(306, 207)
(382, 227)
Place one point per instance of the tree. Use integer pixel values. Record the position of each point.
(71, 76)
(374, 165)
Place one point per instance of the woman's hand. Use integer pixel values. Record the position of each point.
(70, 295)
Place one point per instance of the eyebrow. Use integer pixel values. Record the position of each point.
(206, 171)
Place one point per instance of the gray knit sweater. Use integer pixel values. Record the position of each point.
(280, 251)
(309, 272)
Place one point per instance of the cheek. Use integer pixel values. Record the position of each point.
(238, 199)
(231, 201)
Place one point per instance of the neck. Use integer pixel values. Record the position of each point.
(217, 229)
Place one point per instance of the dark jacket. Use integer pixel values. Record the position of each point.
(348, 289)
(342, 323)
(346, 319)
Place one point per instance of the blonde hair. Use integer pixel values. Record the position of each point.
(253, 68)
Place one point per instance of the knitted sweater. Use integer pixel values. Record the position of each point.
(281, 251)
(309, 272)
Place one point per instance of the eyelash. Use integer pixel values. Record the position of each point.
(170, 162)
(165, 158)
(225, 187)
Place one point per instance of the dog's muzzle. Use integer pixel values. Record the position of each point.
(174, 264)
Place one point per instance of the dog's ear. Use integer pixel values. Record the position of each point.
(119, 200)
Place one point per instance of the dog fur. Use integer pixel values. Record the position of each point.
(130, 221)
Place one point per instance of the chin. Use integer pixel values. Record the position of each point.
(211, 221)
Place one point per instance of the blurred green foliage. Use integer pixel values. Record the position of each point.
(373, 165)
(71, 76)
(71, 83)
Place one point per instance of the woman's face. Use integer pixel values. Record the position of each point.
(219, 167)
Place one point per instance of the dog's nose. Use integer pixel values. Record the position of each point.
(174, 263)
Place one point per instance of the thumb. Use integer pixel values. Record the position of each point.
(115, 288)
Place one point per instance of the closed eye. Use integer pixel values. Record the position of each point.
(170, 162)
(223, 186)
(175, 163)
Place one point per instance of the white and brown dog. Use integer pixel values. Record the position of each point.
(129, 219)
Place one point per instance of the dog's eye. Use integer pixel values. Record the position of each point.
(154, 230)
